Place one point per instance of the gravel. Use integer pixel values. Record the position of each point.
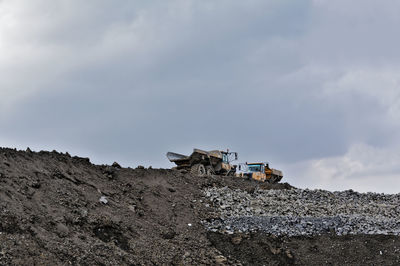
(303, 212)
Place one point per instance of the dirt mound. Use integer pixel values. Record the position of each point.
(62, 209)
(57, 209)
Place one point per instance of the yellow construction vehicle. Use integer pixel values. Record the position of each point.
(260, 172)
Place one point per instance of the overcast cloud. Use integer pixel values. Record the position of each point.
(313, 87)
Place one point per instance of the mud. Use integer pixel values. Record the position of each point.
(56, 209)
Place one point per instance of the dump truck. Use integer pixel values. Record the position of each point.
(203, 163)
(260, 172)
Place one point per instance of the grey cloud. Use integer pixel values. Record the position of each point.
(132, 81)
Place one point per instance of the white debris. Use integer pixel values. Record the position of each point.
(103, 200)
(189, 225)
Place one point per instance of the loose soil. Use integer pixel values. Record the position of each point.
(61, 210)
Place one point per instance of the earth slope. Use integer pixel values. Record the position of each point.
(60, 210)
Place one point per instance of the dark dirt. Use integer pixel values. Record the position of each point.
(261, 249)
(51, 214)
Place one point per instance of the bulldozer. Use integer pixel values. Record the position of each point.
(260, 172)
(205, 163)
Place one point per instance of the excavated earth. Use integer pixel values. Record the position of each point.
(61, 210)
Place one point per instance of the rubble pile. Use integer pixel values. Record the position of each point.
(298, 212)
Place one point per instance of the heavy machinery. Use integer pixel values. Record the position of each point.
(203, 163)
(260, 172)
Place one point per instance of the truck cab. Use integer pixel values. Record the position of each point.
(257, 171)
(260, 172)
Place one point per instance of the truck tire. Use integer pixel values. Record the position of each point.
(209, 170)
(198, 170)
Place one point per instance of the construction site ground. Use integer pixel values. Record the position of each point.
(61, 210)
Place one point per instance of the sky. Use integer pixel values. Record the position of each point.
(312, 87)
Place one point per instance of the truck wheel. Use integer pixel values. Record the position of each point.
(198, 170)
(209, 170)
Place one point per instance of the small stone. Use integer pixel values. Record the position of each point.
(62, 230)
(83, 213)
(36, 184)
(275, 251)
(116, 165)
(289, 254)
(168, 234)
(220, 260)
(236, 240)
(103, 200)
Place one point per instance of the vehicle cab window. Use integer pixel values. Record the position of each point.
(225, 158)
(255, 168)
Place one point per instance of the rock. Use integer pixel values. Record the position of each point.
(116, 165)
(275, 251)
(236, 240)
(62, 230)
(83, 213)
(220, 260)
(170, 234)
(36, 184)
(103, 200)
(289, 254)
(109, 170)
